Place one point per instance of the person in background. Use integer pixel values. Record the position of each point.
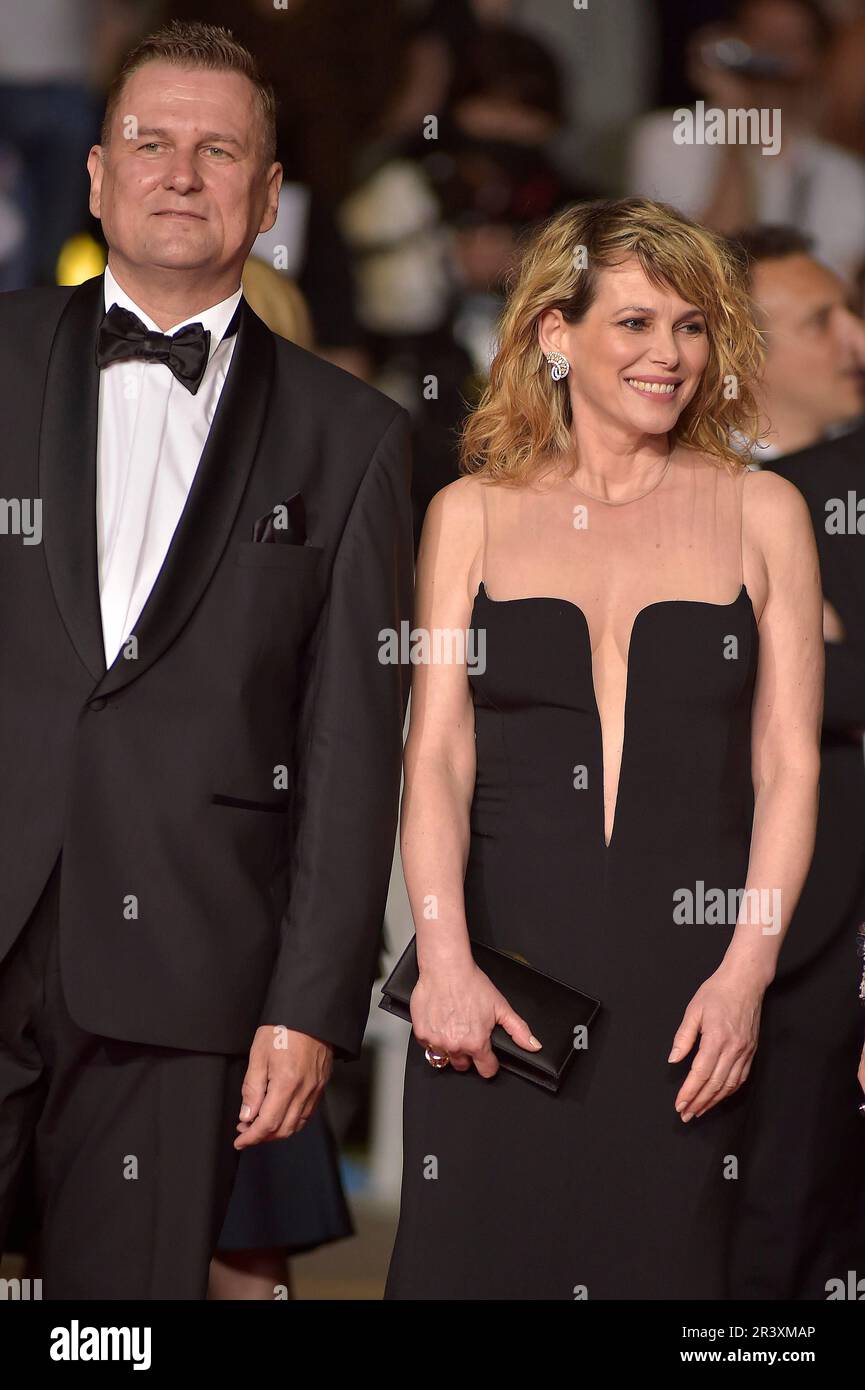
(12, 225)
(588, 45)
(48, 118)
(435, 229)
(278, 302)
(813, 382)
(844, 110)
(54, 56)
(769, 59)
(676, 22)
(306, 247)
(802, 1214)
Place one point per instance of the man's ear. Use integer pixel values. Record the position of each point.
(95, 170)
(271, 204)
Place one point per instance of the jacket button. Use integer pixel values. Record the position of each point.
(99, 703)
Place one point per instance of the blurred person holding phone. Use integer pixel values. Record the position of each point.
(770, 59)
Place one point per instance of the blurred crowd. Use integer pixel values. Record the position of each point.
(421, 139)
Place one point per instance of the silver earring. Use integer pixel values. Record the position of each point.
(559, 365)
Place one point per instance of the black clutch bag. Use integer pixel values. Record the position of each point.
(552, 1009)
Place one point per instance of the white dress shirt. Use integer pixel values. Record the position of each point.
(152, 431)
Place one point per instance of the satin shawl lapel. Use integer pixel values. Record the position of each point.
(67, 472)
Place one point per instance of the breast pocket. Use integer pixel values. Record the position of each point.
(274, 595)
(297, 559)
(285, 581)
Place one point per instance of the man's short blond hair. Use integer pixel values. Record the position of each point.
(194, 45)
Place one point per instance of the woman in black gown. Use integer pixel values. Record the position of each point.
(623, 789)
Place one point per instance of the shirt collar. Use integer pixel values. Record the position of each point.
(216, 319)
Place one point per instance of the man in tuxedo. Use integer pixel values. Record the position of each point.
(200, 745)
(802, 1177)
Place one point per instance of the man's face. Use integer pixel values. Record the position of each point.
(182, 184)
(815, 355)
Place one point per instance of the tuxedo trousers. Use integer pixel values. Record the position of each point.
(131, 1145)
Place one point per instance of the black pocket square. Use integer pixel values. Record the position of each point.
(284, 525)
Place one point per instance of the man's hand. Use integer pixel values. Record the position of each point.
(284, 1082)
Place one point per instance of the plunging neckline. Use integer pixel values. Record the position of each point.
(647, 608)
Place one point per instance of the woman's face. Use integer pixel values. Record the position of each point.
(636, 357)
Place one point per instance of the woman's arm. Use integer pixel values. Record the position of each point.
(440, 748)
(785, 764)
(786, 716)
(454, 1007)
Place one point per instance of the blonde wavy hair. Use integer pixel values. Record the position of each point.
(524, 418)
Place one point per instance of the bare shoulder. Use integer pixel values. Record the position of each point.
(768, 500)
(778, 532)
(775, 515)
(455, 517)
(452, 538)
(767, 490)
(459, 504)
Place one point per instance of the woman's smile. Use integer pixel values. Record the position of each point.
(665, 386)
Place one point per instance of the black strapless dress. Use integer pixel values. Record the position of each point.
(600, 1191)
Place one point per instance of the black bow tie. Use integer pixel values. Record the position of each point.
(123, 337)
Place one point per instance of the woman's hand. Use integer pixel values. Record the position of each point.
(725, 1014)
(861, 1071)
(455, 1011)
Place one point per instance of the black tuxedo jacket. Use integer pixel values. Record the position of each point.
(833, 899)
(205, 892)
